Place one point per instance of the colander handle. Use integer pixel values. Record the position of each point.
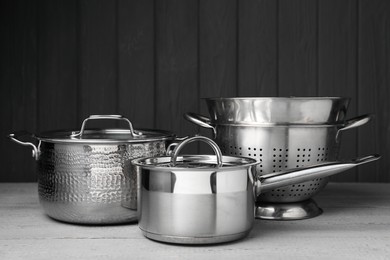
(272, 181)
(353, 123)
(199, 120)
(204, 139)
(356, 122)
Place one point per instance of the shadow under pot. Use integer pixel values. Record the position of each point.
(85, 177)
(284, 133)
(207, 199)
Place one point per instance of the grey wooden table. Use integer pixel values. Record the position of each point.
(355, 225)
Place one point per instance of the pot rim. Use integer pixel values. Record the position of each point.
(278, 110)
(277, 98)
(96, 136)
(281, 125)
(162, 163)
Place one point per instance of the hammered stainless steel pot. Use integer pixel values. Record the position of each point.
(85, 176)
(283, 133)
(204, 199)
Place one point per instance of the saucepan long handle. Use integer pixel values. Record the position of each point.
(280, 179)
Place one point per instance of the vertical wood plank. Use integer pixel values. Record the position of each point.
(257, 48)
(218, 48)
(136, 61)
(98, 58)
(218, 51)
(58, 65)
(18, 86)
(337, 65)
(374, 91)
(297, 48)
(176, 63)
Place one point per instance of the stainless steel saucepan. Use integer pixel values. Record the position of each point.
(85, 176)
(205, 199)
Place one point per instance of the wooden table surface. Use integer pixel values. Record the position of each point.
(355, 225)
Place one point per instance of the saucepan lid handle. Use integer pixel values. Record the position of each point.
(204, 139)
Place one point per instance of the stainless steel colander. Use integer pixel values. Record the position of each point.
(278, 141)
(284, 147)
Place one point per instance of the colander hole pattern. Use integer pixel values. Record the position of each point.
(278, 159)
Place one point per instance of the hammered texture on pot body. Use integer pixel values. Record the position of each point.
(91, 183)
(280, 148)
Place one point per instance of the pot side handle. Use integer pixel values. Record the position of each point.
(14, 137)
(200, 121)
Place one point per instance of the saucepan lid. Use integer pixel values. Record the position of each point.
(195, 162)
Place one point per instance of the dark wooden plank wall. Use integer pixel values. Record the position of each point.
(374, 83)
(18, 85)
(337, 61)
(136, 68)
(154, 60)
(176, 71)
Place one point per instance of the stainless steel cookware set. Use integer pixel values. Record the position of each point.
(271, 156)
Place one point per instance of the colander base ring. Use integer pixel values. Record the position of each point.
(287, 211)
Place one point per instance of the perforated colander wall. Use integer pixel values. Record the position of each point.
(277, 159)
